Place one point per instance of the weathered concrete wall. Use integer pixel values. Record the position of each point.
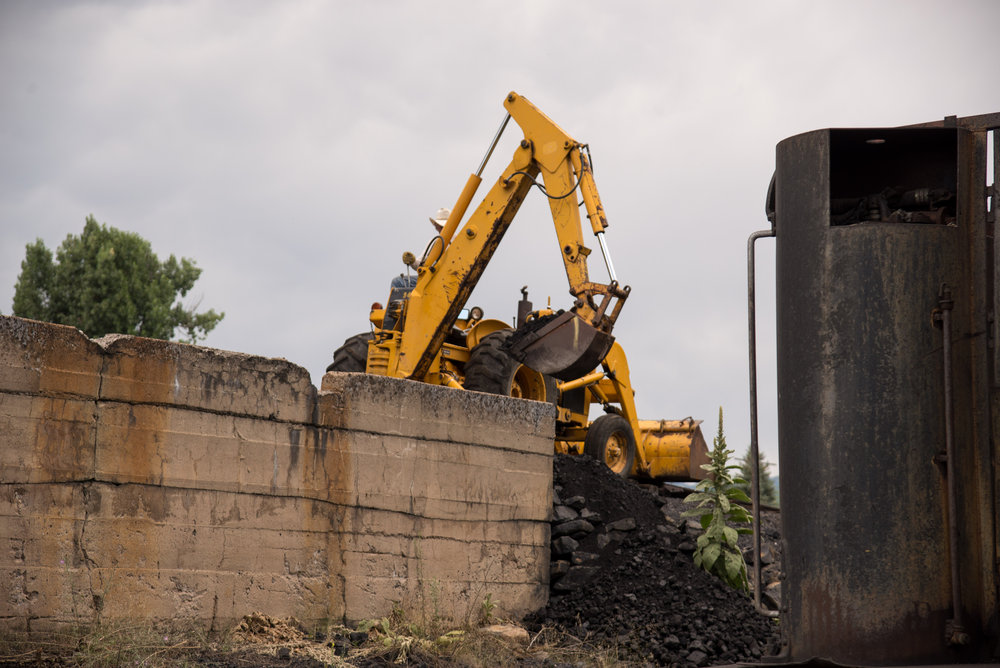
(142, 478)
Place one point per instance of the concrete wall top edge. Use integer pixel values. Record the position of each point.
(58, 360)
(45, 358)
(448, 413)
(141, 370)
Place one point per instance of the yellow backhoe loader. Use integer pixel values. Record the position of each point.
(424, 333)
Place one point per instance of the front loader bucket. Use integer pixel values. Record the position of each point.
(565, 346)
(675, 449)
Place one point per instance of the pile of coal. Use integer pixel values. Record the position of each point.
(622, 575)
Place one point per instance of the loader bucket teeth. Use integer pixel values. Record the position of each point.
(565, 346)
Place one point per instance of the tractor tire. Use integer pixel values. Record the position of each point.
(490, 369)
(353, 355)
(610, 440)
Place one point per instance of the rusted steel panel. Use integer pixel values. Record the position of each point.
(861, 399)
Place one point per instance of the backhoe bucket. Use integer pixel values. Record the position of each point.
(565, 347)
(675, 449)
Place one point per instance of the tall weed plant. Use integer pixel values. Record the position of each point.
(722, 518)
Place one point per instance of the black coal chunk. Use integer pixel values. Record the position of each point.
(632, 586)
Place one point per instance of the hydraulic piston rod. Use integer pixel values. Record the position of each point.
(607, 256)
(469, 191)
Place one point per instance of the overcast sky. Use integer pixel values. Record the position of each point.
(295, 149)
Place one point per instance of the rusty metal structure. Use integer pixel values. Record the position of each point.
(888, 391)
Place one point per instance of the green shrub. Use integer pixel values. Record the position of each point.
(717, 498)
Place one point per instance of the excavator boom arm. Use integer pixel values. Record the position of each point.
(450, 272)
(444, 285)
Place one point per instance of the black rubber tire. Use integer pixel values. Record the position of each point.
(610, 440)
(490, 369)
(353, 355)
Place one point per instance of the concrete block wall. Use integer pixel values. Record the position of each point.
(147, 479)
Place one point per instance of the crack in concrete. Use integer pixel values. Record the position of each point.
(88, 562)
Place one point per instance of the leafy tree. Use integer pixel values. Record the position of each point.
(718, 496)
(109, 281)
(768, 490)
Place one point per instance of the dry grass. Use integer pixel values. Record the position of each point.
(108, 645)
(259, 641)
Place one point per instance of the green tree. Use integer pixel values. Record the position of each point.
(768, 490)
(718, 498)
(109, 281)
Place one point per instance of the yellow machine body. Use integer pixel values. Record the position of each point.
(456, 257)
(674, 449)
(664, 449)
(424, 332)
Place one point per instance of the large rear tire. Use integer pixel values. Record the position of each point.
(610, 440)
(353, 355)
(490, 369)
